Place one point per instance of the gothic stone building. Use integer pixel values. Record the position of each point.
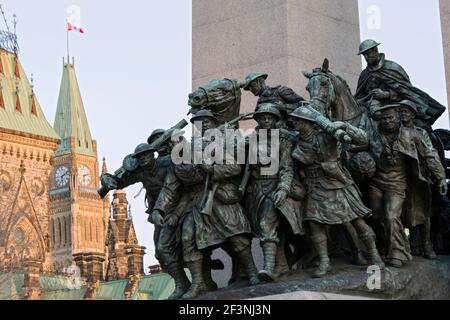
(51, 216)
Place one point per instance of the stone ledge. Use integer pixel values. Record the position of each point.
(420, 279)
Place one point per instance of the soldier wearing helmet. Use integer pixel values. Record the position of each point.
(268, 196)
(403, 161)
(286, 98)
(418, 209)
(165, 149)
(332, 197)
(143, 167)
(208, 213)
(385, 82)
(205, 119)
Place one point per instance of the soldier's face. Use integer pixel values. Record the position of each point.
(207, 124)
(389, 120)
(266, 121)
(304, 126)
(145, 159)
(406, 115)
(372, 56)
(256, 86)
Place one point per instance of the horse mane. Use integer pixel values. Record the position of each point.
(344, 101)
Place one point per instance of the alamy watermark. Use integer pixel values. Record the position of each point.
(374, 279)
(230, 146)
(373, 21)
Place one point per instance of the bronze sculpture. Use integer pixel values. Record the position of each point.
(332, 197)
(382, 135)
(385, 82)
(267, 194)
(203, 229)
(395, 149)
(418, 209)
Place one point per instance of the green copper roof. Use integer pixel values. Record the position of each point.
(11, 286)
(70, 118)
(19, 108)
(150, 287)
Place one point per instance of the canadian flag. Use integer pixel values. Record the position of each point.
(72, 27)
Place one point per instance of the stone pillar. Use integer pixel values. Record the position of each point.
(445, 22)
(31, 284)
(280, 37)
(91, 266)
(135, 255)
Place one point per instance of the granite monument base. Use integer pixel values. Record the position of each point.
(419, 279)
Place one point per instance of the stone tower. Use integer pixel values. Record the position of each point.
(27, 143)
(280, 37)
(78, 221)
(125, 255)
(445, 26)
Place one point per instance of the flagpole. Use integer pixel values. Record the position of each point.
(67, 31)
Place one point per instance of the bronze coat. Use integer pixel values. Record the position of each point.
(227, 218)
(424, 162)
(261, 187)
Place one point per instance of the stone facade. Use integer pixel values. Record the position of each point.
(125, 255)
(51, 216)
(25, 168)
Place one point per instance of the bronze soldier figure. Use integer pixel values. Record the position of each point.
(398, 152)
(385, 82)
(286, 98)
(142, 167)
(286, 101)
(204, 229)
(332, 196)
(417, 208)
(267, 198)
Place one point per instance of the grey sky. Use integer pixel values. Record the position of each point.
(134, 65)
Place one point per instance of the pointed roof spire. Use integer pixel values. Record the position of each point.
(104, 167)
(70, 119)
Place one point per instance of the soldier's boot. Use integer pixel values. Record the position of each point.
(321, 246)
(359, 259)
(281, 264)
(425, 236)
(352, 238)
(369, 240)
(198, 284)
(182, 283)
(247, 262)
(269, 251)
(209, 282)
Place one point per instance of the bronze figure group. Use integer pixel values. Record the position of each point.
(367, 164)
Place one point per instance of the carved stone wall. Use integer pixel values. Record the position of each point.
(25, 167)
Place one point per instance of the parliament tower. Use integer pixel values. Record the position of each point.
(78, 216)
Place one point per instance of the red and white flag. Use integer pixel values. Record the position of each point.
(72, 27)
(74, 19)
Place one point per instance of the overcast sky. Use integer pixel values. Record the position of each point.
(134, 64)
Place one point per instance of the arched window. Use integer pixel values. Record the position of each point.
(86, 229)
(68, 231)
(81, 226)
(97, 231)
(59, 226)
(90, 230)
(64, 230)
(53, 236)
